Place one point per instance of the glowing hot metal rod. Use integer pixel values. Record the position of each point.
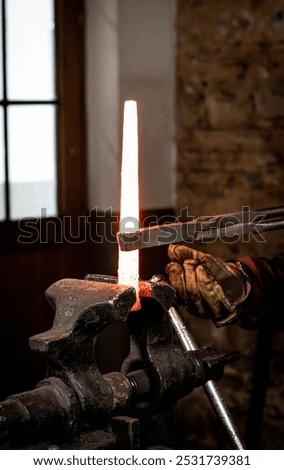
(128, 263)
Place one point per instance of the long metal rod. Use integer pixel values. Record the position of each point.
(213, 394)
(204, 228)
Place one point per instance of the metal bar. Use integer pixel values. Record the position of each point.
(237, 230)
(213, 394)
(204, 229)
(268, 213)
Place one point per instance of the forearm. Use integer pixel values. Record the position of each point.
(267, 291)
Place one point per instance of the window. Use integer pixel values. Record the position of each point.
(63, 140)
(28, 110)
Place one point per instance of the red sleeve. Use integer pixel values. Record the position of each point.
(267, 291)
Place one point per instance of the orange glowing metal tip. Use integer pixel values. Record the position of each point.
(128, 262)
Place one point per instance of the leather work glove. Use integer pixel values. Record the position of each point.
(207, 286)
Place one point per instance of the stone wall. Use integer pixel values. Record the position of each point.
(230, 138)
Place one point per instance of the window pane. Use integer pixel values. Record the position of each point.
(2, 169)
(32, 157)
(30, 49)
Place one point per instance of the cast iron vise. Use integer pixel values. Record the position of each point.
(76, 406)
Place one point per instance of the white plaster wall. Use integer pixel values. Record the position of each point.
(131, 55)
(103, 100)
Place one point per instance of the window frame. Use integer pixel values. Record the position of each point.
(71, 128)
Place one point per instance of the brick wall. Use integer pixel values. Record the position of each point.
(230, 138)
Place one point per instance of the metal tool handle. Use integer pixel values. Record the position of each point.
(204, 228)
(213, 394)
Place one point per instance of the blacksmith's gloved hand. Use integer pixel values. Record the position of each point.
(207, 286)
